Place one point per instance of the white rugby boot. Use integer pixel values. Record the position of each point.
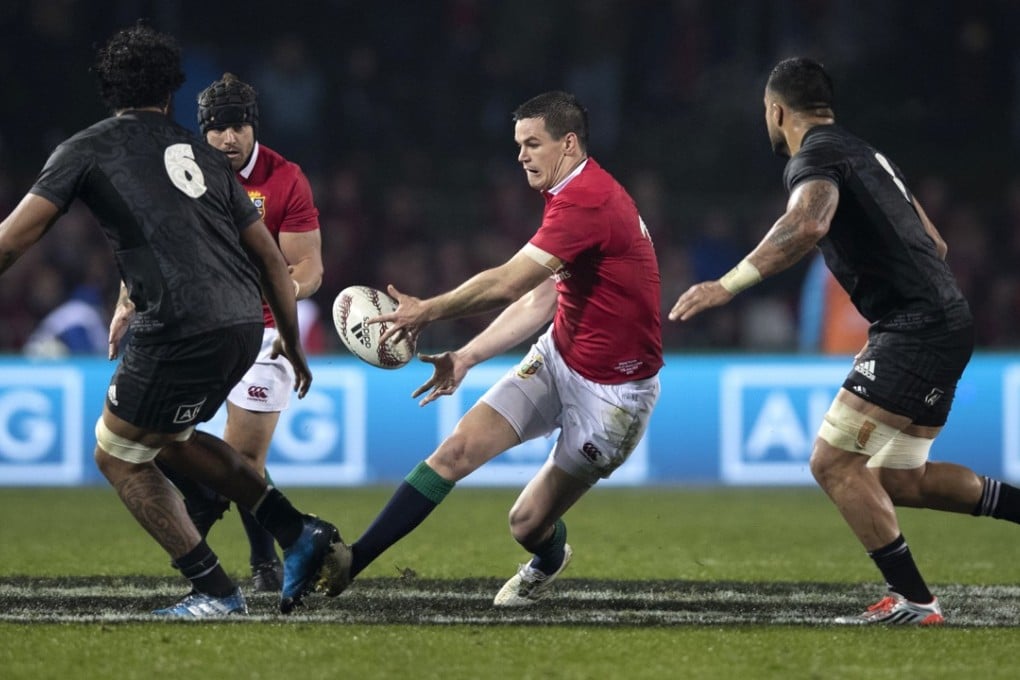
(529, 585)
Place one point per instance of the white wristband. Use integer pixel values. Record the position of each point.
(741, 277)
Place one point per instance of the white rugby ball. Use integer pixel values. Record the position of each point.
(354, 306)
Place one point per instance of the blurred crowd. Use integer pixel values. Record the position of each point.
(399, 112)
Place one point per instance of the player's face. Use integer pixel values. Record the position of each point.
(237, 142)
(776, 137)
(542, 157)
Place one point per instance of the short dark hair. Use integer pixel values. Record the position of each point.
(138, 67)
(561, 112)
(227, 102)
(802, 84)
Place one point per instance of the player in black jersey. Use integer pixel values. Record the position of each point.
(849, 200)
(194, 254)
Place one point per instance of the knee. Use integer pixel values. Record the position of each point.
(905, 487)
(113, 468)
(525, 529)
(821, 463)
(451, 460)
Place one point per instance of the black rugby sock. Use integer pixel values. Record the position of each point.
(416, 497)
(549, 556)
(275, 513)
(998, 500)
(203, 569)
(900, 572)
(261, 542)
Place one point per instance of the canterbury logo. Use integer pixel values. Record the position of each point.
(866, 368)
(258, 392)
(933, 396)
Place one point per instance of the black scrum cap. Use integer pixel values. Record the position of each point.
(228, 102)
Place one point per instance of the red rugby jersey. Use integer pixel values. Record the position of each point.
(283, 196)
(607, 325)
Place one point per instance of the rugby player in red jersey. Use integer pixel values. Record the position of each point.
(591, 270)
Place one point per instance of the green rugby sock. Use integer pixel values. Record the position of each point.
(419, 494)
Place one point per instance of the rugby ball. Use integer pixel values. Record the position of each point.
(354, 306)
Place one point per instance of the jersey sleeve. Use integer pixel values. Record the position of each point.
(815, 160)
(565, 232)
(61, 177)
(301, 213)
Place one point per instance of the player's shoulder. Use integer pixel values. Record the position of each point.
(592, 188)
(833, 139)
(276, 161)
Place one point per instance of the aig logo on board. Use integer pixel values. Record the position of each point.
(769, 415)
(40, 426)
(319, 440)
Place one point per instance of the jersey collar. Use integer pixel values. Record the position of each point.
(250, 167)
(566, 180)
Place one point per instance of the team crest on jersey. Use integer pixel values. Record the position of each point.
(259, 201)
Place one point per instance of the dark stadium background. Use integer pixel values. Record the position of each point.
(400, 114)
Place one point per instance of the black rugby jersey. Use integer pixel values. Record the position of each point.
(877, 247)
(172, 210)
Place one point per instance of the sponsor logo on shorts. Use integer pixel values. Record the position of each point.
(861, 390)
(187, 413)
(933, 396)
(866, 368)
(258, 392)
(531, 365)
(111, 394)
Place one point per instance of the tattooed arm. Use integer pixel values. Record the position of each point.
(806, 220)
(808, 216)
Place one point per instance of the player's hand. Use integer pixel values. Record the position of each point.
(119, 324)
(296, 356)
(447, 373)
(698, 298)
(409, 318)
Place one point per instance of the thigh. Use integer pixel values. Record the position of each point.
(169, 387)
(267, 385)
(601, 424)
(527, 395)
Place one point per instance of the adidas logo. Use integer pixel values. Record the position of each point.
(860, 389)
(866, 368)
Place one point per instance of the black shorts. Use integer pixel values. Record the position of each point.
(169, 387)
(912, 374)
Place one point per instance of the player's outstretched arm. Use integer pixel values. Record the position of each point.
(806, 220)
(514, 325)
(491, 289)
(26, 224)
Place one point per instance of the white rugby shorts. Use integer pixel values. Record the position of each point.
(268, 384)
(600, 425)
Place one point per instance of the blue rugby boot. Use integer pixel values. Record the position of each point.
(198, 605)
(317, 559)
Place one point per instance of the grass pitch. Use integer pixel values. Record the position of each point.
(698, 583)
